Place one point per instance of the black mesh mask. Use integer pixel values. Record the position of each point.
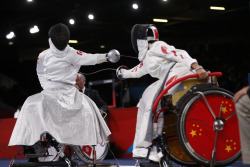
(139, 31)
(59, 35)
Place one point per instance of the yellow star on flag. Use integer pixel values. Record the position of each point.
(227, 106)
(228, 148)
(193, 133)
(224, 110)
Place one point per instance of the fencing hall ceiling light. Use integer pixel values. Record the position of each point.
(160, 20)
(10, 35)
(72, 21)
(135, 6)
(91, 16)
(73, 41)
(34, 29)
(217, 8)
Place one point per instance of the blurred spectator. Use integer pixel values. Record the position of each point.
(93, 94)
(242, 100)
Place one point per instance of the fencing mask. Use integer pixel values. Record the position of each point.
(141, 34)
(59, 34)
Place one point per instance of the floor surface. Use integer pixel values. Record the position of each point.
(121, 162)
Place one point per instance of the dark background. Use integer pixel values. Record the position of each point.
(219, 40)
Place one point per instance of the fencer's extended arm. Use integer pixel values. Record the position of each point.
(171, 53)
(81, 58)
(136, 72)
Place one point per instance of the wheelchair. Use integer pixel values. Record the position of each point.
(54, 154)
(201, 125)
(48, 152)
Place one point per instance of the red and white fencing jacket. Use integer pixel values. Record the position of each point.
(159, 53)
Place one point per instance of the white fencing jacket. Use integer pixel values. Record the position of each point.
(159, 53)
(55, 67)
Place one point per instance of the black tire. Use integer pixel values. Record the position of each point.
(184, 107)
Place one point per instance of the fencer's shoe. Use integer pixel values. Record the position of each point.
(34, 151)
(153, 155)
(140, 153)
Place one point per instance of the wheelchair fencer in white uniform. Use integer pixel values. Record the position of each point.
(161, 61)
(60, 110)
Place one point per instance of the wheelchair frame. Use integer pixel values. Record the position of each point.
(218, 123)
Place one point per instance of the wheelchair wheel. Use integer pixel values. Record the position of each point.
(175, 150)
(85, 153)
(206, 137)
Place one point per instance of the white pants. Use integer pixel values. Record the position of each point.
(143, 135)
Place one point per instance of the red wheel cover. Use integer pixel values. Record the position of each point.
(199, 128)
(87, 150)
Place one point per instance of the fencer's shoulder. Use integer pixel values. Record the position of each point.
(72, 51)
(35, 97)
(45, 52)
(163, 47)
(160, 43)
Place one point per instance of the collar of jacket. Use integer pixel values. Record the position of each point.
(56, 52)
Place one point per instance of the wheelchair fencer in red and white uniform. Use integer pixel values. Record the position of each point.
(161, 61)
(60, 110)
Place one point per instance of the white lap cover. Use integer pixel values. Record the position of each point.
(67, 114)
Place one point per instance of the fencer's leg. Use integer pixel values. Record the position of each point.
(140, 146)
(160, 147)
(160, 123)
